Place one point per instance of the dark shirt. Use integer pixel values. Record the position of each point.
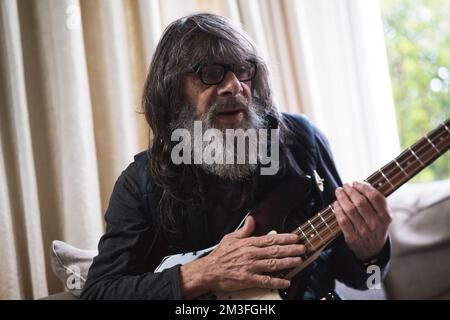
(135, 243)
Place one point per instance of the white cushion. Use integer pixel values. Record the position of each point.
(71, 265)
(420, 242)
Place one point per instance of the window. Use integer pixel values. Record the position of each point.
(417, 35)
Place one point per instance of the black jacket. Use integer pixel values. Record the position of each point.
(134, 243)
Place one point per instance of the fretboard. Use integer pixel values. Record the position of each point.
(323, 228)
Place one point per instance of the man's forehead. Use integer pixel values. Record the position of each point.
(221, 52)
(224, 60)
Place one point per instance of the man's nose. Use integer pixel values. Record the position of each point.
(230, 86)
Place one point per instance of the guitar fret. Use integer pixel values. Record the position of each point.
(398, 165)
(446, 128)
(384, 176)
(326, 224)
(415, 155)
(332, 209)
(432, 144)
(306, 238)
(312, 235)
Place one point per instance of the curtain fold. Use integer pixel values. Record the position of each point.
(344, 81)
(111, 88)
(22, 249)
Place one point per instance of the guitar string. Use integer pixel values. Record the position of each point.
(410, 154)
(311, 224)
(325, 225)
(325, 214)
(321, 224)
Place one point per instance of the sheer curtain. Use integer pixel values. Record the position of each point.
(71, 75)
(344, 78)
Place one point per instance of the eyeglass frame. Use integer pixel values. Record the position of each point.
(226, 67)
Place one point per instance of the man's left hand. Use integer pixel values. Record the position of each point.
(364, 217)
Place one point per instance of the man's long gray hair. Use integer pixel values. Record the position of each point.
(185, 43)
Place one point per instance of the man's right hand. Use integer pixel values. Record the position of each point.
(241, 261)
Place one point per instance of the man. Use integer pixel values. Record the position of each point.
(205, 71)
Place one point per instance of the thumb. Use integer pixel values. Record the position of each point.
(247, 229)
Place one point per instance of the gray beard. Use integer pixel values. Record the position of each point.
(254, 119)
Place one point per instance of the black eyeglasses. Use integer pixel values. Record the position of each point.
(214, 73)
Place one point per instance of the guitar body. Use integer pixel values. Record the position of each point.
(297, 288)
(270, 216)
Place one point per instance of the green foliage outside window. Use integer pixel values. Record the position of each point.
(417, 35)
